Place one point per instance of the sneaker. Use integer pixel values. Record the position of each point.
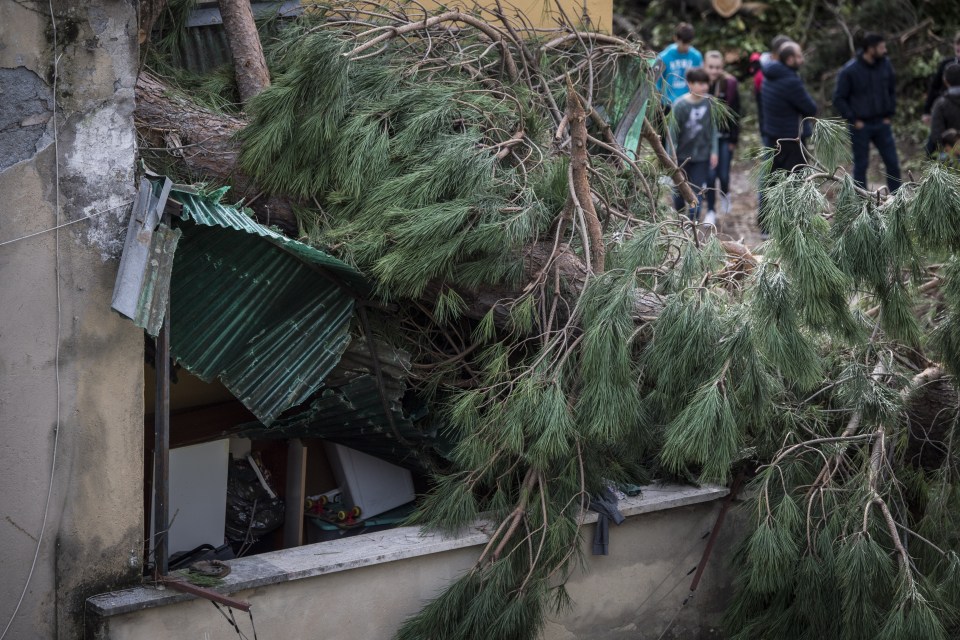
(711, 218)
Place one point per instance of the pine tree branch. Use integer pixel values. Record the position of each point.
(543, 539)
(916, 535)
(449, 16)
(578, 36)
(676, 173)
(526, 489)
(905, 562)
(580, 181)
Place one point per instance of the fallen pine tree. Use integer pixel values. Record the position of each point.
(571, 331)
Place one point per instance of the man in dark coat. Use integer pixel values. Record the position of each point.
(866, 97)
(937, 87)
(785, 104)
(946, 109)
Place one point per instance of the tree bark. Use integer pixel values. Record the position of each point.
(202, 144)
(249, 65)
(150, 10)
(580, 179)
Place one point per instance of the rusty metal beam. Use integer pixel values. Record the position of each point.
(207, 594)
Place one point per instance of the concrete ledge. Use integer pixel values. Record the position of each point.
(370, 549)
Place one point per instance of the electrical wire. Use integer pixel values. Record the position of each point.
(66, 224)
(56, 364)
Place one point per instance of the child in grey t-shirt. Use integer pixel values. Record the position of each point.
(694, 137)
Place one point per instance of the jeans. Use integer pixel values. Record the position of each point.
(722, 173)
(697, 174)
(767, 144)
(881, 135)
(788, 157)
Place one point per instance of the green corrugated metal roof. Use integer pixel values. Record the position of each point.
(352, 415)
(266, 315)
(208, 212)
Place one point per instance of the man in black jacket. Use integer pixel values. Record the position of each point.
(937, 86)
(866, 97)
(946, 110)
(785, 104)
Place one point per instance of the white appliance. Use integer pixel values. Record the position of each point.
(368, 482)
(198, 495)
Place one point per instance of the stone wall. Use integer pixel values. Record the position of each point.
(77, 164)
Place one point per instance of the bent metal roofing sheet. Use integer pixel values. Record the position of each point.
(267, 315)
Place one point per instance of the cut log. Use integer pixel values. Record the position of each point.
(201, 143)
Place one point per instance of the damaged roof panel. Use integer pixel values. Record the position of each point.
(207, 212)
(248, 312)
(143, 278)
(267, 315)
(155, 287)
(352, 415)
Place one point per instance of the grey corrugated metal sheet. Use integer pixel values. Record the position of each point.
(155, 288)
(352, 415)
(266, 315)
(204, 46)
(143, 278)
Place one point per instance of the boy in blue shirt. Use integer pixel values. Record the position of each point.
(677, 59)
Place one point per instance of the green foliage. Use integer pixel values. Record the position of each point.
(400, 167)
(705, 432)
(793, 211)
(677, 359)
(832, 142)
(937, 208)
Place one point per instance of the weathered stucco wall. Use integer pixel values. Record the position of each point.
(94, 521)
(634, 593)
(540, 14)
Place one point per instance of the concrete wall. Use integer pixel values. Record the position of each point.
(591, 15)
(542, 14)
(94, 520)
(634, 593)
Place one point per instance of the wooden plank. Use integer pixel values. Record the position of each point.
(296, 483)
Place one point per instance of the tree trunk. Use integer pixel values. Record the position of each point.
(201, 142)
(250, 67)
(150, 10)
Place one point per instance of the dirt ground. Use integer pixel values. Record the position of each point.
(741, 222)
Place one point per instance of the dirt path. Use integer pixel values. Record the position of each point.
(741, 223)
